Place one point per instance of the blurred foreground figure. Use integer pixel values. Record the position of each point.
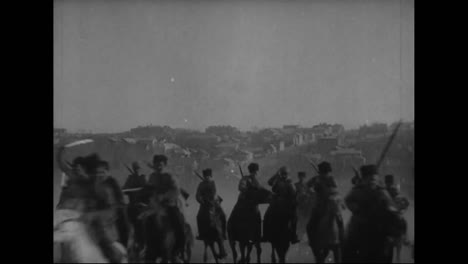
(373, 221)
(211, 219)
(325, 229)
(305, 199)
(402, 205)
(86, 195)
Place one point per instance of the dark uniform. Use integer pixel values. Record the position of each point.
(372, 215)
(245, 201)
(284, 197)
(208, 199)
(210, 210)
(166, 193)
(324, 186)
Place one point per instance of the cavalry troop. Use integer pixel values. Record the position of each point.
(94, 223)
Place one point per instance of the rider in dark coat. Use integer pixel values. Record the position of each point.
(324, 186)
(166, 193)
(246, 184)
(209, 200)
(284, 196)
(373, 212)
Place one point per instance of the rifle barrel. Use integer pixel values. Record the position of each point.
(387, 146)
(240, 169)
(128, 168)
(199, 176)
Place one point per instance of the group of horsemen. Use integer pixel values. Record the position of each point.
(91, 190)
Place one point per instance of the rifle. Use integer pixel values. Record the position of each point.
(199, 176)
(130, 170)
(240, 169)
(389, 143)
(313, 164)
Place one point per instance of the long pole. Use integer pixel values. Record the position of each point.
(199, 176)
(389, 143)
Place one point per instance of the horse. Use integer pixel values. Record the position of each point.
(277, 230)
(136, 236)
(328, 234)
(303, 210)
(160, 235)
(244, 224)
(397, 233)
(189, 240)
(210, 223)
(73, 243)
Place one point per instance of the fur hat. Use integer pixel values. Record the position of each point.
(253, 167)
(324, 167)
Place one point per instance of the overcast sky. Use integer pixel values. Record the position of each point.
(120, 64)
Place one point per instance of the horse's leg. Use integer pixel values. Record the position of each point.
(258, 248)
(249, 251)
(281, 254)
(232, 244)
(213, 251)
(273, 255)
(188, 252)
(150, 254)
(205, 253)
(398, 253)
(316, 253)
(324, 254)
(337, 255)
(242, 247)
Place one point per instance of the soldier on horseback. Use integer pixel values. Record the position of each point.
(209, 200)
(166, 193)
(245, 222)
(136, 199)
(324, 186)
(373, 215)
(284, 196)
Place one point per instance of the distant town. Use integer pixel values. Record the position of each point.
(227, 142)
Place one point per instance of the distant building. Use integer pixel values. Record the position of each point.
(289, 129)
(298, 139)
(326, 144)
(281, 146)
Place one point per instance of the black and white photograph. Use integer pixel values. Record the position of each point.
(203, 131)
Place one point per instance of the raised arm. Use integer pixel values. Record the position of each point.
(61, 162)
